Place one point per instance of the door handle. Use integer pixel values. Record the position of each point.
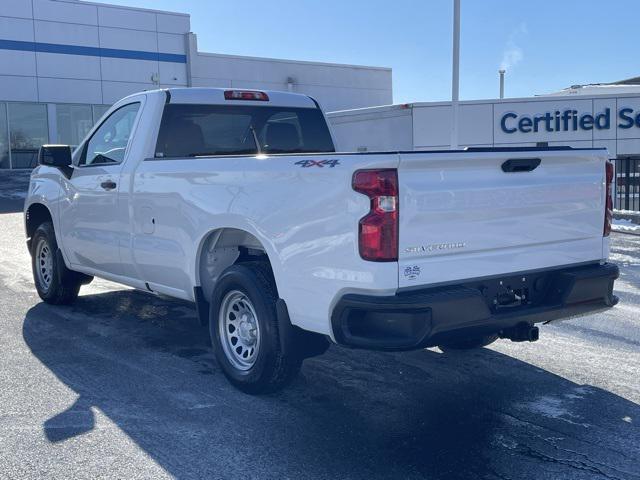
(108, 185)
(520, 165)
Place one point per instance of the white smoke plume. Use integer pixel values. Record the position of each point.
(513, 53)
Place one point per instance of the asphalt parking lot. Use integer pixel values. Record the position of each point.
(122, 385)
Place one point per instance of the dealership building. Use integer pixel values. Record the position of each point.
(603, 115)
(64, 62)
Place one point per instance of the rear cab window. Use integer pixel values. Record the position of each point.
(191, 130)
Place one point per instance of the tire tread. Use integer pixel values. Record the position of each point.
(63, 291)
(285, 367)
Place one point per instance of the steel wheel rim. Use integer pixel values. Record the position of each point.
(239, 330)
(44, 264)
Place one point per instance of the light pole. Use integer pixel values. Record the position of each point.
(455, 74)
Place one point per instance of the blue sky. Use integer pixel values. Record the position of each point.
(547, 44)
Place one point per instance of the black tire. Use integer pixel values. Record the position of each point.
(63, 284)
(469, 344)
(270, 370)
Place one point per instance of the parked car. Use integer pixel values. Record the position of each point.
(237, 201)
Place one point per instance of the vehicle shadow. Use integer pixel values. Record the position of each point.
(11, 205)
(144, 362)
(13, 190)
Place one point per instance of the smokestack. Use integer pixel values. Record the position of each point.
(501, 72)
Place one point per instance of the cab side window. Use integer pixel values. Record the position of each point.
(108, 144)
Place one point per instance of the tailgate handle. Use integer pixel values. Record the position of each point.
(520, 165)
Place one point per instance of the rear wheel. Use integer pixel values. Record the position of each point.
(470, 343)
(55, 283)
(243, 326)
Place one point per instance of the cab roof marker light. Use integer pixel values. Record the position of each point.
(250, 95)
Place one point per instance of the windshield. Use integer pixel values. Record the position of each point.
(200, 130)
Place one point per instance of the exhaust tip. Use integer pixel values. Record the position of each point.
(534, 334)
(522, 332)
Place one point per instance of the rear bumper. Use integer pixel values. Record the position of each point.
(429, 317)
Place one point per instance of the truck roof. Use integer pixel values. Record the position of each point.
(216, 96)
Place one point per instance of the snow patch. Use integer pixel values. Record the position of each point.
(557, 408)
(624, 225)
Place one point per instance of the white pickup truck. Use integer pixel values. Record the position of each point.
(237, 201)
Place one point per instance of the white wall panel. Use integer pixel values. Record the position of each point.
(211, 82)
(171, 43)
(127, 18)
(333, 98)
(432, 126)
(173, 73)
(18, 89)
(126, 70)
(70, 12)
(609, 145)
(69, 91)
(376, 133)
(128, 39)
(240, 83)
(208, 65)
(475, 124)
(16, 8)
(173, 23)
(16, 29)
(114, 91)
(57, 65)
(629, 146)
(66, 33)
(17, 63)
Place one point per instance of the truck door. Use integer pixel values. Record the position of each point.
(91, 224)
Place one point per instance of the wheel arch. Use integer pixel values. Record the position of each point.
(222, 247)
(36, 214)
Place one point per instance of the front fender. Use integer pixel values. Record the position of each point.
(45, 189)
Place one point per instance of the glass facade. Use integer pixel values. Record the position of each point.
(98, 111)
(4, 137)
(73, 122)
(24, 127)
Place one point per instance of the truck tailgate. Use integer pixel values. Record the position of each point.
(462, 216)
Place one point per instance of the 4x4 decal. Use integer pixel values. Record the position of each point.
(318, 163)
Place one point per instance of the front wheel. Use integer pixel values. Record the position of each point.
(55, 283)
(243, 326)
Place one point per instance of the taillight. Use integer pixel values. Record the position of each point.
(246, 95)
(608, 213)
(378, 230)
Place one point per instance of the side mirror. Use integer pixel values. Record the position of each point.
(55, 156)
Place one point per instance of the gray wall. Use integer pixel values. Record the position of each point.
(334, 86)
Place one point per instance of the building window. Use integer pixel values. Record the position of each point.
(28, 132)
(4, 137)
(73, 123)
(98, 111)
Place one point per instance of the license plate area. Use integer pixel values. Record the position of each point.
(514, 292)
